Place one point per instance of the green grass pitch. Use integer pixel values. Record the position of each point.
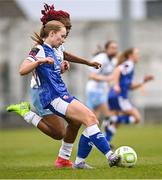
(28, 153)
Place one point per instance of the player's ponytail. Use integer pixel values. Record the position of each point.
(102, 50)
(37, 38)
(124, 55)
(45, 30)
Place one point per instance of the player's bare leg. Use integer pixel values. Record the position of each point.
(77, 112)
(67, 145)
(56, 129)
(134, 113)
(53, 126)
(131, 116)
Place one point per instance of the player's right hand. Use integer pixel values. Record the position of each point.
(95, 64)
(148, 78)
(117, 89)
(48, 60)
(65, 66)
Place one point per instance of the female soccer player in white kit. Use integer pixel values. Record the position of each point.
(98, 84)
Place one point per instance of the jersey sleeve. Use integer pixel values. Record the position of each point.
(126, 68)
(35, 53)
(62, 48)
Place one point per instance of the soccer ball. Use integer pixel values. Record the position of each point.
(128, 156)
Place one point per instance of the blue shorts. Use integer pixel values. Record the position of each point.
(59, 105)
(37, 104)
(118, 103)
(95, 99)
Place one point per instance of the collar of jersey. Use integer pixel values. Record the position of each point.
(130, 61)
(48, 45)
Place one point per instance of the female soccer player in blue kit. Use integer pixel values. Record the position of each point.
(45, 120)
(54, 94)
(48, 122)
(121, 108)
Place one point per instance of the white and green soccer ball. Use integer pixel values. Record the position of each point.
(128, 156)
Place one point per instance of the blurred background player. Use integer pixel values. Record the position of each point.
(97, 87)
(122, 110)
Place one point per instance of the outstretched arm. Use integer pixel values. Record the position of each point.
(75, 59)
(98, 77)
(146, 79)
(136, 85)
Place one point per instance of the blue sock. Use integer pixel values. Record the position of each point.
(110, 131)
(84, 147)
(98, 139)
(109, 134)
(126, 119)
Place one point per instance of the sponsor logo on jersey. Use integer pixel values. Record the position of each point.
(34, 51)
(65, 97)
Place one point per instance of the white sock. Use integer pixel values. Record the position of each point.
(112, 129)
(91, 130)
(66, 150)
(85, 133)
(32, 118)
(114, 119)
(105, 123)
(132, 119)
(108, 154)
(79, 160)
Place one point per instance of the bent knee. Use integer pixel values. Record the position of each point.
(59, 135)
(138, 120)
(91, 119)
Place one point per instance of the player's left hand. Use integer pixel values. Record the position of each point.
(148, 78)
(65, 66)
(95, 64)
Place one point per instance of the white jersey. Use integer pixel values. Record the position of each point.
(60, 56)
(106, 69)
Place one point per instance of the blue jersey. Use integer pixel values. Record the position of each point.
(51, 83)
(126, 78)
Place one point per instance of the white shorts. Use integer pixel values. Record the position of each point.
(59, 105)
(118, 103)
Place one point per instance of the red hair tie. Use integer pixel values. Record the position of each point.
(49, 13)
